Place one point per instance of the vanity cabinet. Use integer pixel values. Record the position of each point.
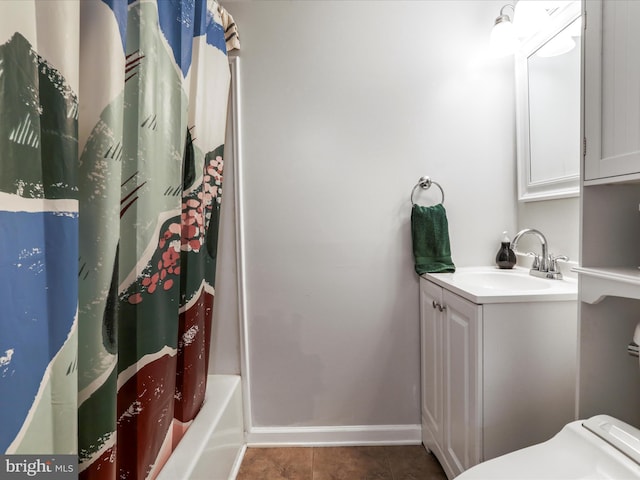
(495, 377)
(612, 91)
(451, 401)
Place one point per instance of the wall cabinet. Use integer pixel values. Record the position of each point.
(612, 91)
(495, 377)
(608, 379)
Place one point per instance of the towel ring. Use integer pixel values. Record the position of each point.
(425, 183)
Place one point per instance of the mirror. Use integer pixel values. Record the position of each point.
(548, 108)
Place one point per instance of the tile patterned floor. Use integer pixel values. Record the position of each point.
(340, 463)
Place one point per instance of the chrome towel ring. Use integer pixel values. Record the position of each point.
(425, 183)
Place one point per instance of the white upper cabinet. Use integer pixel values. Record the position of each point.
(612, 91)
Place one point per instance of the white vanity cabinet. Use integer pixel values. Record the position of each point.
(451, 401)
(612, 91)
(495, 377)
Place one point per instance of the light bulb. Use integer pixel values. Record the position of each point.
(503, 39)
(529, 17)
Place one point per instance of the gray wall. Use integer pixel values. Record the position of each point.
(345, 105)
(559, 220)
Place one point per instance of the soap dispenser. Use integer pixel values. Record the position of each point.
(505, 258)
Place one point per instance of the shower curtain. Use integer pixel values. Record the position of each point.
(111, 154)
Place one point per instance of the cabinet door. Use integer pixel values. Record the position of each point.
(431, 363)
(462, 382)
(612, 89)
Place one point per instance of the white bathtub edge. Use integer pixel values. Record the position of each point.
(184, 458)
(236, 465)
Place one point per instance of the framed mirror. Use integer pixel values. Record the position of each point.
(548, 108)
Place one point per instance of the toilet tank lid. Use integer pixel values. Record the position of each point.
(616, 433)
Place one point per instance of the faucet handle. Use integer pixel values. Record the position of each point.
(536, 260)
(553, 259)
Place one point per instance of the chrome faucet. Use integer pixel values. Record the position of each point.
(544, 265)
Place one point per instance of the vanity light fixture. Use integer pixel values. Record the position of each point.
(529, 17)
(503, 36)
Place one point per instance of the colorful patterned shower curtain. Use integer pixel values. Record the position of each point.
(38, 228)
(133, 170)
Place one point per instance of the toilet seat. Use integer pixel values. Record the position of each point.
(601, 447)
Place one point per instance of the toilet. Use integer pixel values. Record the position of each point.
(601, 447)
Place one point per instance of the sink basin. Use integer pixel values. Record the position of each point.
(497, 280)
(493, 285)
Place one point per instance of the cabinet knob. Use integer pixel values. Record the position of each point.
(435, 304)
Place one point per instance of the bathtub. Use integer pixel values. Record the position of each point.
(213, 446)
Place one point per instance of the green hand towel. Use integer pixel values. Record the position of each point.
(430, 234)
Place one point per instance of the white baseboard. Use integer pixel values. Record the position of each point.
(335, 436)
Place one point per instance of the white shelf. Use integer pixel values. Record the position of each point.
(599, 282)
(616, 179)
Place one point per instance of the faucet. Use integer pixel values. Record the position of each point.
(543, 265)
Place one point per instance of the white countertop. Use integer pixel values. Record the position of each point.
(493, 285)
